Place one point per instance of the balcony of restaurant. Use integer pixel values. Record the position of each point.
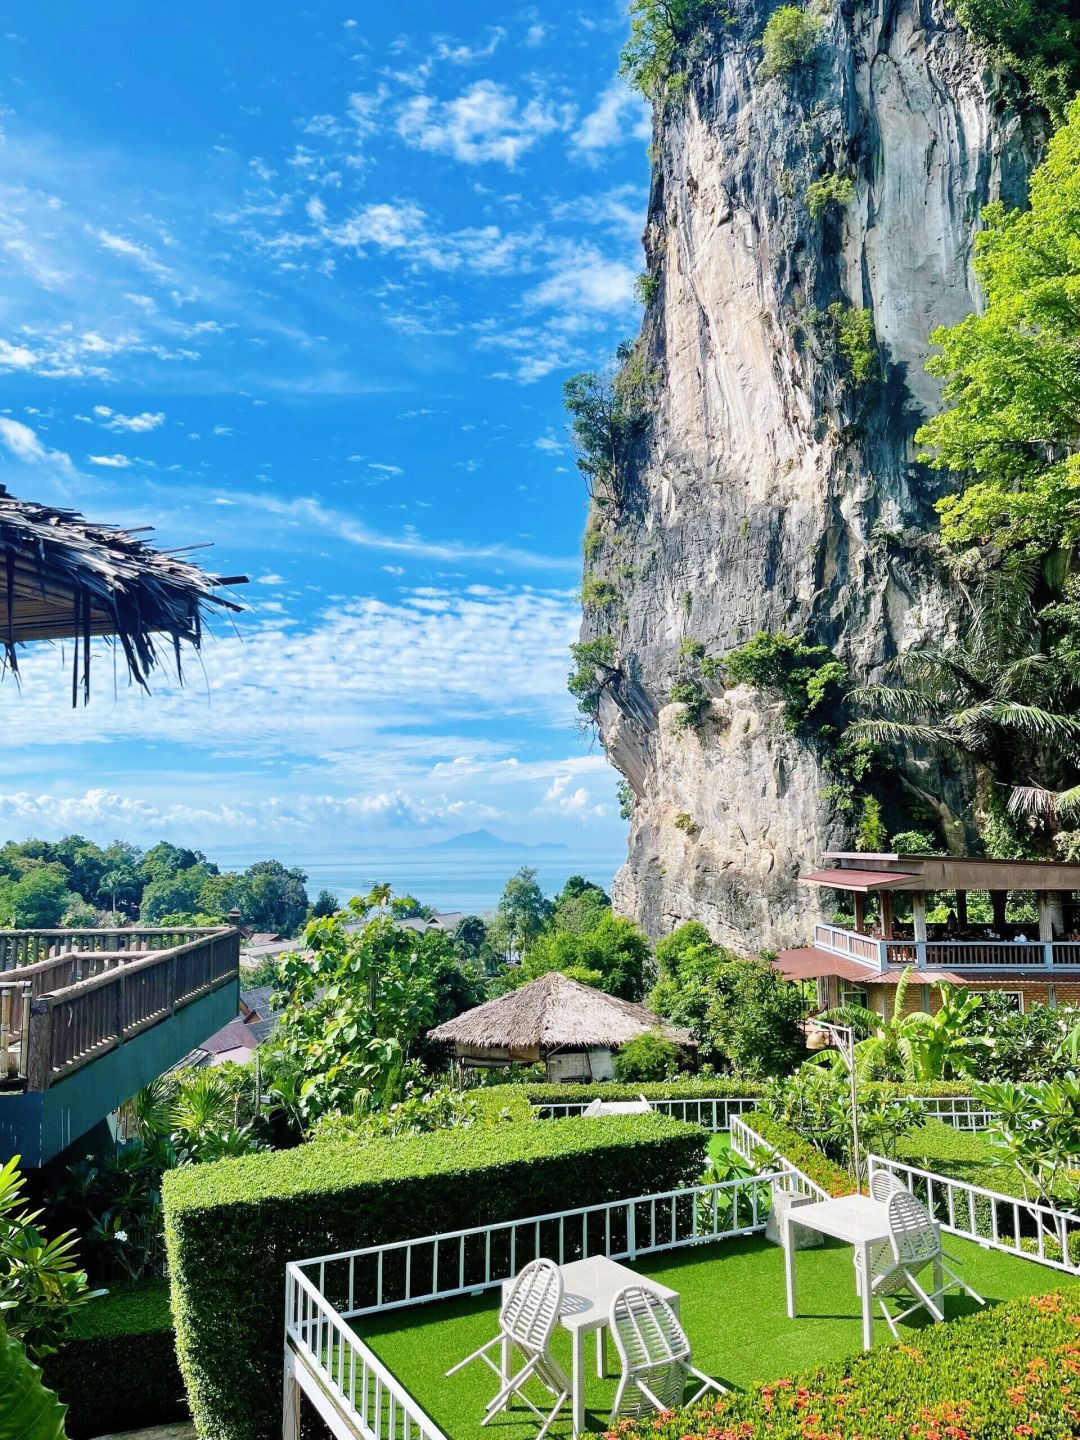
(88, 1017)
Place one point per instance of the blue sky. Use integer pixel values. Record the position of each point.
(308, 287)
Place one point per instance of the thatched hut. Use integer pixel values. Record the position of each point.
(571, 1028)
(64, 578)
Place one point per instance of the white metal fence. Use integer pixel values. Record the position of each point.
(790, 1178)
(716, 1113)
(1001, 1222)
(465, 1262)
(711, 1112)
(350, 1388)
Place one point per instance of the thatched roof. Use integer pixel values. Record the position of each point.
(63, 578)
(552, 1013)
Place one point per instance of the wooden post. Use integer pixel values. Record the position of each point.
(885, 900)
(38, 1041)
(998, 899)
(961, 909)
(1046, 924)
(860, 912)
(5, 1034)
(918, 915)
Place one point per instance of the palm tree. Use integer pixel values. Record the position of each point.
(994, 696)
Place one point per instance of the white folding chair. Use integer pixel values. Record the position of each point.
(915, 1244)
(527, 1319)
(883, 1183)
(655, 1355)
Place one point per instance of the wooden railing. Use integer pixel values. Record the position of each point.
(948, 954)
(61, 1012)
(848, 942)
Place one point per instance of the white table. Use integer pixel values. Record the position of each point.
(589, 1286)
(860, 1221)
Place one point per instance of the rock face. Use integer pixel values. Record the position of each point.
(771, 492)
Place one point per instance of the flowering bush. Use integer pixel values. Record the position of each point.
(1005, 1374)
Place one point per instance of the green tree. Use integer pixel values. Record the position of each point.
(613, 955)
(522, 910)
(169, 894)
(660, 33)
(802, 675)
(350, 1008)
(790, 39)
(40, 898)
(608, 411)
(326, 903)
(992, 695)
(743, 1014)
(219, 894)
(647, 1057)
(273, 896)
(1010, 426)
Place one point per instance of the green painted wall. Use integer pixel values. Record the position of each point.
(40, 1125)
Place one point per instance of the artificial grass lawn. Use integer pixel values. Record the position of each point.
(719, 1145)
(732, 1307)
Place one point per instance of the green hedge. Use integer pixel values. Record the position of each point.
(1007, 1372)
(503, 1102)
(231, 1227)
(722, 1087)
(833, 1179)
(119, 1370)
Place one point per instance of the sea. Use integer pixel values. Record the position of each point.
(447, 879)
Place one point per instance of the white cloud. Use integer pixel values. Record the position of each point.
(16, 357)
(313, 514)
(109, 462)
(583, 278)
(564, 798)
(484, 123)
(549, 444)
(133, 424)
(24, 444)
(467, 54)
(620, 114)
(117, 245)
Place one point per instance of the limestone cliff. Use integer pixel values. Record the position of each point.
(769, 491)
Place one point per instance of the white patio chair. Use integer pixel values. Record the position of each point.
(640, 1106)
(915, 1244)
(655, 1355)
(884, 1183)
(527, 1319)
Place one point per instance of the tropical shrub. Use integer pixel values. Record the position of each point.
(647, 1057)
(28, 1410)
(790, 39)
(127, 1333)
(817, 1106)
(596, 667)
(830, 190)
(231, 1227)
(40, 1287)
(1036, 1132)
(803, 676)
(743, 1014)
(608, 412)
(1006, 1372)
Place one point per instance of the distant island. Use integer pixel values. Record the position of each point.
(485, 840)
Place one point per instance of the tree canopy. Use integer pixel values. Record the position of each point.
(1010, 426)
